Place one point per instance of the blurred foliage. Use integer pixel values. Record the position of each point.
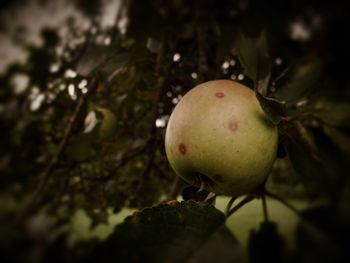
(291, 52)
(266, 245)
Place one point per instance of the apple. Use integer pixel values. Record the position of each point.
(218, 138)
(108, 124)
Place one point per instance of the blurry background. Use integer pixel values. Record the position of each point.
(87, 87)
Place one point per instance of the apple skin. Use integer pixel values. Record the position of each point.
(219, 134)
(109, 123)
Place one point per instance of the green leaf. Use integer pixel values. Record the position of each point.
(273, 108)
(298, 80)
(254, 57)
(178, 232)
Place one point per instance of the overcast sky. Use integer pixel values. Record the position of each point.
(34, 16)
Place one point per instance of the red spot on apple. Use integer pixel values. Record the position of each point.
(219, 94)
(233, 126)
(182, 148)
(218, 178)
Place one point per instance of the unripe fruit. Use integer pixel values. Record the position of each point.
(219, 135)
(108, 125)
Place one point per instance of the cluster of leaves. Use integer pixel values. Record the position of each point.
(50, 165)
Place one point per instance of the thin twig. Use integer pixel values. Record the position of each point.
(246, 200)
(266, 216)
(63, 186)
(146, 172)
(283, 202)
(229, 205)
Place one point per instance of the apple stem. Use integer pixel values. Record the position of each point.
(203, 185)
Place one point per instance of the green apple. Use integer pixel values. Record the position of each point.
(218, 138)
(108, 124)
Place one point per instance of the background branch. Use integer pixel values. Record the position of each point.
(175, 189)
(202, 42)
(67, 134)
(76, 58)
(125, 159)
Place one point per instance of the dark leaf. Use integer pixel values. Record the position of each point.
(175, 232)
(266, 245)
(79, 147)
(102, 60)
(314, 157)
(253, 55)
(220, 247)
(322, 236)
(274, 109)
(94, 56)
(298, 80)
(113, 65)
(332, 109)
(339, 138)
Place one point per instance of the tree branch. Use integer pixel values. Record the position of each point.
(118, 17)
(160, 172)
(63, 186)
(76, 58)
(201, 42)
(175, 189)
(126, 158)
(152, 141)
(67, 134)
